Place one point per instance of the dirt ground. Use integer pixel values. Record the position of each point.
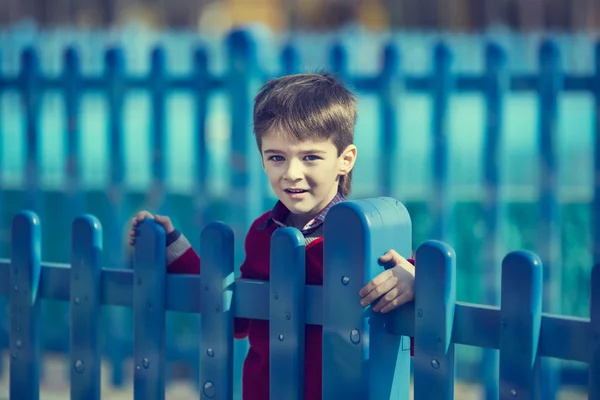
(56, 387)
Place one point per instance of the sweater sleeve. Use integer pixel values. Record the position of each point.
(183, 259)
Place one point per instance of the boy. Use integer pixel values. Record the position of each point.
(304, 128)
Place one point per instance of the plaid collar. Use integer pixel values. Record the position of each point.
(280, 212)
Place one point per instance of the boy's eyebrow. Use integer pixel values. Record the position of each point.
(314, 151)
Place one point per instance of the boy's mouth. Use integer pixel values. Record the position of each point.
(295, 191)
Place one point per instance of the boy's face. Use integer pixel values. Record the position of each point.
(304, 175)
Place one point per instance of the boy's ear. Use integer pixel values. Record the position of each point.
(348, 158)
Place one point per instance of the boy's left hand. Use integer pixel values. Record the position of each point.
(395, 285)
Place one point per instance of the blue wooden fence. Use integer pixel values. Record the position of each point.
(239, 80)
(365, 355)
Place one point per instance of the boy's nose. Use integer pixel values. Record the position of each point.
(293, 172)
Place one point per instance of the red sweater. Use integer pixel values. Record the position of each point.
(255, 376)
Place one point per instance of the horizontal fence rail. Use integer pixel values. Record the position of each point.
(357, 235)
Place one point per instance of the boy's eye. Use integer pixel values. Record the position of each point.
(276, 158)
(312, 157)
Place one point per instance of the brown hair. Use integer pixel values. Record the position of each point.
(308, 107)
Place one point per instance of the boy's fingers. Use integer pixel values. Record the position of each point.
(378, 291)
(378, 280)
(397, 302)
(388, 298)
(394, 257)
(165, 222)
(140, 216)
(387, 257)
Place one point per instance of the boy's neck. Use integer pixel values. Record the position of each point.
(299, 221)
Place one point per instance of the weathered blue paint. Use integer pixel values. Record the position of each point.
(287, 314)
(73, 91)
(594, 371)
(596, 200)
(350, 369)
(149, 297)
(115, 86)
(85, 300)
(520, 323)
(434, 350)
(442, 85)
(495, 84)
(388, 91)
(549, 244)
(364, 355)
(217, 312)
(23, 289)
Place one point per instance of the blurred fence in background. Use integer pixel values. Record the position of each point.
(490, 141)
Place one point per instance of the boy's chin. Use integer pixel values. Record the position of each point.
(298, 208)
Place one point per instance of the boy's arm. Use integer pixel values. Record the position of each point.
(183, 259)
(181, 256)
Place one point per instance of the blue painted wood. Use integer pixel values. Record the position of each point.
(338, 60)
(201, 91)
(245, 160)
(389, 94)
(246, 174)
(549, 245)
(479, 324)
(115, 87)
(435, 306)
(159, 86)
(290, 60)
(85, 281)
(594, 349)
(442, 86)
(4, 319)
(115, 90)
(149, 293)
(349, 369)
(521, 317)
(596, 200)
(491, 257)
(594, 368)
(287, 314)
(201, 84)
(25, 314)
(217, 312)
(390, 378)
(72, 93)
(30, 94)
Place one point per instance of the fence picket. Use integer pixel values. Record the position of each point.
(435, 303)
(521, 316)
(287, 316)
(86, 273)
(25, 271)
(217, 313)
(149, 312)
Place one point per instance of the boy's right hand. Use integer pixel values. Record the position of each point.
(140, 216)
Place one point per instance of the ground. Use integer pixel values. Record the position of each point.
(56, 387)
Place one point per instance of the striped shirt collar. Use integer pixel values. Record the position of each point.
(280, 212)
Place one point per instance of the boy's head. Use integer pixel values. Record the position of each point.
(294, 115)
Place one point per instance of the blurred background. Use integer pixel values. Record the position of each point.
(112, 106)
